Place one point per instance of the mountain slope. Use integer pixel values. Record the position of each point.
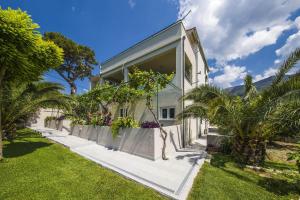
(239, 89)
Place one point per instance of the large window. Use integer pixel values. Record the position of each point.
(167, 113)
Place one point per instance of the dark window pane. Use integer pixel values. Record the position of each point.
(172, 113)
(121, 113)
(164, 113)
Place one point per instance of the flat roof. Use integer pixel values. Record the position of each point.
(157, 33)
(147, 38)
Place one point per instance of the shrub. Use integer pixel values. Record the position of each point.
(122, 122)
(77, 121)
(97, 120)
(147, 124)
(226, 145)
(49, 118)
(295, 156)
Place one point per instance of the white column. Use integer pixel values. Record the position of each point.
(101, 81)
(125, 72)
(179, 63)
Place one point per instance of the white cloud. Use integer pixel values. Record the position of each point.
(277, 61)
(231, 74)
(267, 73)
(131, 3)
(231, 29)
(213, 70)
(292, 42)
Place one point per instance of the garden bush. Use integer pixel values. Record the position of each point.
(147, 124)
(49, 118)
(295, 156)
(122, 122)
(226, 145)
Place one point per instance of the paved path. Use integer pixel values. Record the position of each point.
(173, 177)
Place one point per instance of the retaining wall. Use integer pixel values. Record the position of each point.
(143, 142)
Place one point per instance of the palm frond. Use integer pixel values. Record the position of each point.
(286, 66)
(195, 110)
(250, 89)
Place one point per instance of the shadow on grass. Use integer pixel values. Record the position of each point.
(280, 186)
(219, 160)
(16, 149)
(283, 146)
(279, 166)
(275, 185)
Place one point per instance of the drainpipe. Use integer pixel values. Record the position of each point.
(183, 77)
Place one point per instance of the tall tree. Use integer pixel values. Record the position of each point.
(249, 118)
(24, 55)
(79, 60)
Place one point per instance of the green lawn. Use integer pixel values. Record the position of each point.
(36, 168)
(223, 179)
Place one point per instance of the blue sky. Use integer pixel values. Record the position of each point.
(236, 40)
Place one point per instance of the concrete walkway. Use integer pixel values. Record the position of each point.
(173, 178)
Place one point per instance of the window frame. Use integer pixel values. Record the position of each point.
(168, 113)
(123, 112)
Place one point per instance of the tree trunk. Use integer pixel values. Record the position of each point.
(249, 150)
(163, 134)
(2, 74)
(73, 88)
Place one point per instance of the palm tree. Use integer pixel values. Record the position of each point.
(23, 100)
(246, 117)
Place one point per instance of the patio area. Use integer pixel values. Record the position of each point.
(173, 178)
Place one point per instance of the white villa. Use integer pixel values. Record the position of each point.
(173, 49)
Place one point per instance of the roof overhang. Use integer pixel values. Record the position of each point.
(195, 38)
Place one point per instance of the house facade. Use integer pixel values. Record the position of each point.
(174, 49)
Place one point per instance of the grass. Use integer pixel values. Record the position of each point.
(223, 179)
(35, 168)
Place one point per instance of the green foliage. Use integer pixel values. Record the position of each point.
(24, 55)
(295, 156)
(77, 121)
(86, 106)
(49, 118)
(255, 117)
(97, 120)
(23, 100)
(149, 82)
(81, 109)
(102, 94)
(226, 145)
(126, 94)
(79, 60)
(123, 122)
(284, 120)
